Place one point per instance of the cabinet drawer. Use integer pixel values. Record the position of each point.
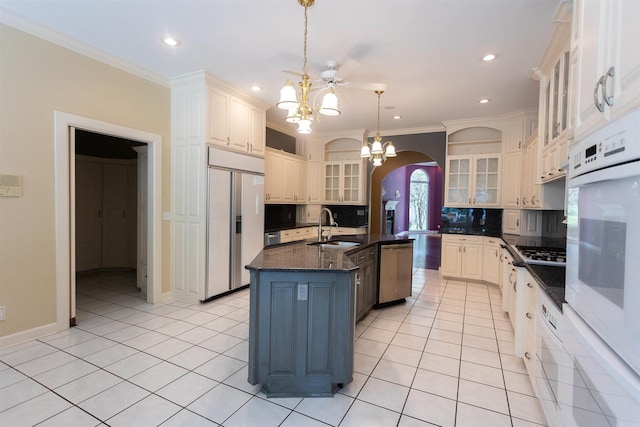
(451, 238)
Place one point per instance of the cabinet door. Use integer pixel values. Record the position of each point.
(458, 181)
(624, 56)
(511, 221)
(314, 182)
(88, 215)
(472, 261)
(288, 182)
(239, 124)
(218, 117)
(257, 130)
(487, 175)
(529, 173)
(332, 182)
(607, 38)
(451, 258)
(300, 181)
(351, 182)
(491, 263)
(114, 226)
(589, 17)
(273, 176)
(511, 179)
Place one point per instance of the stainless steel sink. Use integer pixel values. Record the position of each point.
(335, 244)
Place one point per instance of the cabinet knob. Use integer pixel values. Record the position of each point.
(529, 285)
(517, 201)
(529, 316)
(527, 355)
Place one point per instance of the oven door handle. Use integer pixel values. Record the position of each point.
(611, 362)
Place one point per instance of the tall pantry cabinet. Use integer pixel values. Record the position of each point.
(204, 112)
(106, 210)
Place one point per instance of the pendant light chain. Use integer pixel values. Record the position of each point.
(378, 131)
(304, 65)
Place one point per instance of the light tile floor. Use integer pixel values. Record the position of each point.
(443, 358)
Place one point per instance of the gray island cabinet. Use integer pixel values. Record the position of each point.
(301, 320)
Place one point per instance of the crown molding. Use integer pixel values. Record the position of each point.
(56, 38)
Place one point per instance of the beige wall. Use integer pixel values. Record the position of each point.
(37, 78)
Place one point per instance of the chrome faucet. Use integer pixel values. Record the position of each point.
(331, 223)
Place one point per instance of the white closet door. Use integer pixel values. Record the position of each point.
(114, 225)
(88, 215)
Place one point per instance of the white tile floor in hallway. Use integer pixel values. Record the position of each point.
(444, 358)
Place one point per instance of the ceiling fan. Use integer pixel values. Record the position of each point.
(336, 75)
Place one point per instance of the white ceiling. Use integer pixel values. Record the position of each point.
(427, 52)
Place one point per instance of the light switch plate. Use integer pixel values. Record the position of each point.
(3, 313)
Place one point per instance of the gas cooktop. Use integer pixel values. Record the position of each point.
(542, 255)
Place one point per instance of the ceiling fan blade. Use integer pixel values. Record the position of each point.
(347, 68)
(366, 86)
(292, 72)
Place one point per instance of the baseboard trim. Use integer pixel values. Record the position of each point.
(28, 335)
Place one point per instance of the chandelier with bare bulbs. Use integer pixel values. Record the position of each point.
(378, 152)
(299, 110)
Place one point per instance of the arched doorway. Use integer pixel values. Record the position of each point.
(404, 158)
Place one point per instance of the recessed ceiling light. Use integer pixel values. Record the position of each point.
(397, 117)
(170, 41)
(489, 57)
(256, 88)
(484, 101)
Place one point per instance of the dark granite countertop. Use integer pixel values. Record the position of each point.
(471, 231)
(308, 255)
(550, 278)
(299, 225)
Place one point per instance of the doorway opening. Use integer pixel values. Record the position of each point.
(110, 221)
(150, 175)
(418, 200)
(391, 186)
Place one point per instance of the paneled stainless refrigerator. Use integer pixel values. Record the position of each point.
(235, 227)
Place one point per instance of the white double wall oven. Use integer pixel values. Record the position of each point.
(601, 328)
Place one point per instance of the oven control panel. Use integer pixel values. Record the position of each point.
(618, 142)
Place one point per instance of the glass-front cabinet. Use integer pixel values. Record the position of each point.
(473, 180)
(343, 182)
(458, 178)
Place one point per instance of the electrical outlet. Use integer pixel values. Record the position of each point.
(3, 313)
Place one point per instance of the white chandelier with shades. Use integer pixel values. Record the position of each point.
(299, 110)
(378, 152)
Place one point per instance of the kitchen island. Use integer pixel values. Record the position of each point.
(302, 316)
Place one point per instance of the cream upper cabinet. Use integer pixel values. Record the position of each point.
(511, 179)
(285, 178)
(344, 182)
(314, 182)
(273, 177)
(257, 132)
(218, 116)
(556, 92)
(300, 181)
(233, 123)
(473, 180)
(606, 66)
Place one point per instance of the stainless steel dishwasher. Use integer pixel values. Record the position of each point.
(396, 268)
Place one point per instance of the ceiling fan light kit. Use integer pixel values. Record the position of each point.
(299, 110)
(377, 152)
